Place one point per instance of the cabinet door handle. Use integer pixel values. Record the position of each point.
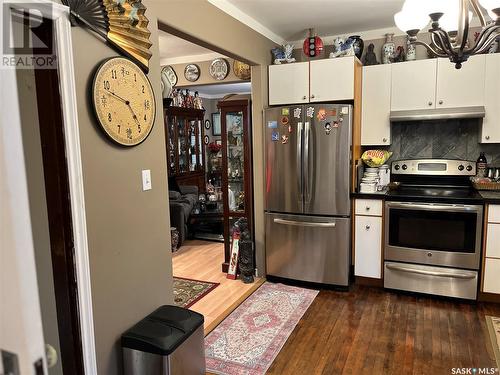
(384, 140)
(440, 102)
(312, 96)
(367, 227)
(304, 97)
(430, 103)
(367, 208)
(487, 137)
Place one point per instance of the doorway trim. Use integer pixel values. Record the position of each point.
(59, 14)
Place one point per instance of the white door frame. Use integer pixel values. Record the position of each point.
(59, 14)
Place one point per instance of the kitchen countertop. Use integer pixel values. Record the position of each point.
(492, 197)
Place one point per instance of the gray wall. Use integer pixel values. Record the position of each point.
(452, 139)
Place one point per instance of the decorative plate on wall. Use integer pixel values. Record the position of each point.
(219, 69)
(169, 73)
(192, 72)
(207, 124)
(206, 139)
(241, 70)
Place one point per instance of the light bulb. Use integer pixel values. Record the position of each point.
(406, 21)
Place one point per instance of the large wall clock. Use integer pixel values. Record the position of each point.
(123, 101)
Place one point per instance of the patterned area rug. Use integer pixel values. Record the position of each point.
(494, 331)
(188, 291)
(249, 339)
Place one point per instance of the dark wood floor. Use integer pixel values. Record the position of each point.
(372, 331)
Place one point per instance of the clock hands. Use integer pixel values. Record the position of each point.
(127, 103)
(118, 97)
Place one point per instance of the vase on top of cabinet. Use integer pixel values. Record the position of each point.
(236, 167)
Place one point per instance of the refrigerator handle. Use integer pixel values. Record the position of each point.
(299, 160)
(306, 162)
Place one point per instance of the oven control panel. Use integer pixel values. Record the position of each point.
(434, 167)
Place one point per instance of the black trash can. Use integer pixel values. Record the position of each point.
(169, 341)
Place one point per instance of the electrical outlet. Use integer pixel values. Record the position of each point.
(146, 180)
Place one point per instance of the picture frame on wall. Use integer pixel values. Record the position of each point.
(216, 127)
(218, 142)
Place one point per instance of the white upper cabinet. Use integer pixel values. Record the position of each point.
(289, 83)
(413, 85)
(491, 122)
(332, 79)
(460, 87)
(376, 105)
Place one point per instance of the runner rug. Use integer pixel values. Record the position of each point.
(250, 338)
(188, 291)
(494, 331)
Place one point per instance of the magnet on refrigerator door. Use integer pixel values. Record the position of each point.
(310, 112)
(328, 128)
(344, 110)
(297, 112)
(321, 116)
(284, 139)
(275, 136)
(285, 111)
(272, 124)
(284, 120)
(289, 128)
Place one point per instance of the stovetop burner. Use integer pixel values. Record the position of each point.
(433, 180)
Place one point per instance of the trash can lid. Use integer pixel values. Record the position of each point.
(162, 331)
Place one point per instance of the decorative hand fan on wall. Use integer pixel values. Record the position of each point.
(122, 23)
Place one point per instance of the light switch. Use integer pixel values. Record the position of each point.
(146, 180)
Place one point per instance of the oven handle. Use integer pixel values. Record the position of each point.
(430, 273)
(304, 223)
(433, 206)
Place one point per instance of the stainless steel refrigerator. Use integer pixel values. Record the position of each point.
(307, 177)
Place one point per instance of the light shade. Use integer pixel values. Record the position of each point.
(490, 4)
(406, 21)
(449, 21)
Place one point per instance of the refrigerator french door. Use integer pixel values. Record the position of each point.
(307, 192)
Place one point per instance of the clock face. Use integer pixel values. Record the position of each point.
(123, 101)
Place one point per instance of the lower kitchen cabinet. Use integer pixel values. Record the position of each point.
(368, 246)
(491, 271)
(492, 276)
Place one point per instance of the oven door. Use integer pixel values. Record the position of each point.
(446, 235)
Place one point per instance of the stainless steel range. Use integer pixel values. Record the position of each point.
(433, 228)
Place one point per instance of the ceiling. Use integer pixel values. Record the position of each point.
(174, 50)
(221, 89)
(289, 20)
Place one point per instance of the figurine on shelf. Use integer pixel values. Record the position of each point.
(342, 47)
(177, 98)
(283, 54)
(370, 57)
(188, 99)
(197, 102)
(240, 201)
(399, 55)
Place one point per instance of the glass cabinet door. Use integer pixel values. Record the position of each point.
(200, 147)
(182, 146)
(171, 147)
(192, 146)
(235, 161)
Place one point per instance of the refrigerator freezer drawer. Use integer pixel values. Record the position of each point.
(439, 281)
(308, 248)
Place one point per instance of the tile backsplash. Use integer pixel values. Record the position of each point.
(451, 139)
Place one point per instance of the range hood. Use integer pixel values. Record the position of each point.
(438, 114)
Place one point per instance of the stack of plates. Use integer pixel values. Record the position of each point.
(369, 181)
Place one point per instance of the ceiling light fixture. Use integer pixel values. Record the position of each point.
(450, 23)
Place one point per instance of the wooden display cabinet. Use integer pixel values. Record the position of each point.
(237, 168)
(185, 148)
